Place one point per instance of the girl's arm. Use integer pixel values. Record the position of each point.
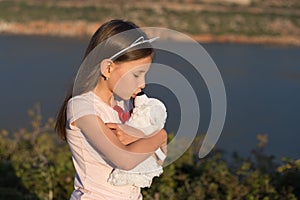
(126, 134)
(106, 143)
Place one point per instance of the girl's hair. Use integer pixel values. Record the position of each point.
(92, 76)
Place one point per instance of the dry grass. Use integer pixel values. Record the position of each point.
(259, 19)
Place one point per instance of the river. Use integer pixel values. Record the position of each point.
(262, 86)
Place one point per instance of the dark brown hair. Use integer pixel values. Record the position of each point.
(111, 46)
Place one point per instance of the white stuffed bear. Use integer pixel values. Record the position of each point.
(149, 115)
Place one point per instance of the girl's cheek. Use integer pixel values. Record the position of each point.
(129, 86)
(141, 82)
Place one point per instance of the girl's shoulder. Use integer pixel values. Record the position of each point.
(80, 105)
(82, 97)
(89, 103)
(86, 99)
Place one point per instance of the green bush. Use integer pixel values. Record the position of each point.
(36, 165)
(36, 159)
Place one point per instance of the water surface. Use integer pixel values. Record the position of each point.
(262, 85)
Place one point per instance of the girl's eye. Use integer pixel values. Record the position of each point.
(136, 76)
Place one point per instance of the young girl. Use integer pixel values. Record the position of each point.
(89, 124)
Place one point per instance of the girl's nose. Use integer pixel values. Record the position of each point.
(143, 86)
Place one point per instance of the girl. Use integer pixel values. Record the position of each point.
(87, 120)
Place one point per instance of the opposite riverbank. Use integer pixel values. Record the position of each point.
(82, 29)
(234, 21)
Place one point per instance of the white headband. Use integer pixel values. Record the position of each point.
(139, 41)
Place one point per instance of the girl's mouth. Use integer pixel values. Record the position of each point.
(137, 94)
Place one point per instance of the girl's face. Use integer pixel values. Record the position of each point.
(128, 79)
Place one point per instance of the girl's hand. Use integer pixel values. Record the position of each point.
(163, 147)
(126, 134)
(164, 140)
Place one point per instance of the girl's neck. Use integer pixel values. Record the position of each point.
(105, 95)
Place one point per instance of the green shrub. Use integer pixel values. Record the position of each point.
(35, 165)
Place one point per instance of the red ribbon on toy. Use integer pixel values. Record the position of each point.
(123, 115)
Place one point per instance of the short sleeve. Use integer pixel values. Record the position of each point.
(78, 107)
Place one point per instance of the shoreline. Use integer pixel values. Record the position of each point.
(83, 29)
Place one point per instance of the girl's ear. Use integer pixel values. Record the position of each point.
(105, 67)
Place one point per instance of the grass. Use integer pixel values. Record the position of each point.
(235, 21)
(23, 12)
(222, 23)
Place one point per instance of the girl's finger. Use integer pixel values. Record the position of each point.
(112, 125)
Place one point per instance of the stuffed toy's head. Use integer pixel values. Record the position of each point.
(149, 114)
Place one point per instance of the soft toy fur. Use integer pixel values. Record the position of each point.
(149, 115)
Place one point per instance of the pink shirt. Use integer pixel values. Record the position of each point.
(92, 171)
